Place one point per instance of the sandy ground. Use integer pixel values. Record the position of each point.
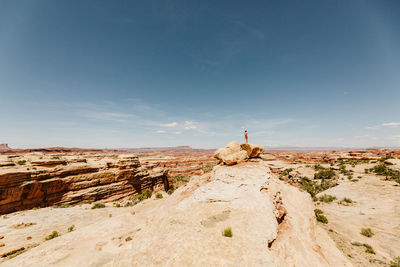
(376, 205)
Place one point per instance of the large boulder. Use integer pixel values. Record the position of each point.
(234, 153)
(252, 150)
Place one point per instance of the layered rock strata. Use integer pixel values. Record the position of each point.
(73, 182)
(179, 164)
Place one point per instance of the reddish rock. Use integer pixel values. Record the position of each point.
(76, 184)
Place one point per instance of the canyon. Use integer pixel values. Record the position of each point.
(270, 203)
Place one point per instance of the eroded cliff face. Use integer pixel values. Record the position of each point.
(273, 224)
(180, 164)
(41, 183)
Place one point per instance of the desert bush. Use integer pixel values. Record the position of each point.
(179, 180)
(170, 191)
(208, 167)
(71, 228)
(395, 262)
(118, 205)
(367, 232)
(318, 167)
(313, 187)
(327, 198)
(159, 195)
(98, 206)
(356, 243)
(135, 200)
(320, 217)
(369, 249)
(145, 195)
(347, 200)
(382, 169)
(227, 232)
(63, 206)
(54, 234)
(286, 171)
(324, 174)
(21, 162)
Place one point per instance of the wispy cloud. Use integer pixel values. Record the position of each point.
(109, 116)
(385, 124)
(172, 124)
(190, 125)
(391, 124)
(160, 131)
(177, 132)
(376, 127)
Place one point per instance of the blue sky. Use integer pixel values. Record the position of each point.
(165, 73)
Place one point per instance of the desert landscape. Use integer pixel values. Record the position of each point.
(199, 133)
(174, 208)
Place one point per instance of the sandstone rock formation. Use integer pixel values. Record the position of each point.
(179, 164)
(273, 224)
(75, 181)
(234, 153)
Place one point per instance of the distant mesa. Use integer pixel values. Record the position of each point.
(4, 147)
(173, 150)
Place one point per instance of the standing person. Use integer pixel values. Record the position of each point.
(245, 136)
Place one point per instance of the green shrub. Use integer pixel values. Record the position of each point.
(98, 206)
(324, 174)
(320, 217)
(286, 171)
(367, 232)
(208, 167)
(21, 162)
(327, 198)
(384, 170)
(313, 188)
(347, 200)
(145, 195)
(71, 228)
(54, 234)
(131, 203)
(356, 243)
(179, 180)
(170, 191)
(227, 232)
(318, 167)
(117, 205)
(369, 249)
(63, 206)
(395, 262)
(318, 211)
(159, 195)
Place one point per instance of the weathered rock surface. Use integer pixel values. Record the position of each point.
(75, 181)
(233, 153)
(273, 224)
(179, 164)
(252, 150)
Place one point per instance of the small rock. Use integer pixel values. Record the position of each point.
(133, 212)
(2, 245)
(128, 239)
(28, 238)
(1, 236)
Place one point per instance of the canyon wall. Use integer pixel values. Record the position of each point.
(40, 183)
